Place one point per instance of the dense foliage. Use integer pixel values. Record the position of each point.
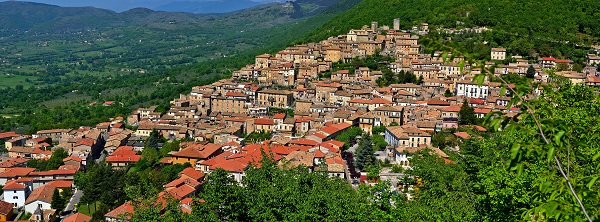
(268, 194)
(572, 22)
(55, 161)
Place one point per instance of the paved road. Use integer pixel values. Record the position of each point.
(74, 200)
(352, 149)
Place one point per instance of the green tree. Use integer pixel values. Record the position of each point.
(379, 142)
(349, 135)
(530, 72)
(447, 93)
(365, 155)
(466, 115)
(58, 202)
(153, 140)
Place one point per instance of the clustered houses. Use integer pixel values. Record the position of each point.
(260, 98)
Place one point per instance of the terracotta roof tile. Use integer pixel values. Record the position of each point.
(123, 211)
(192, 173)
(17, 172)
(6, 208)
(43, 193)
(78, 217)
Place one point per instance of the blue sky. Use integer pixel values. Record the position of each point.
(120, 5)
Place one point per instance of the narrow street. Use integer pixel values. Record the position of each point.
(71, 205)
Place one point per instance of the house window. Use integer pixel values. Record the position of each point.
(15, 191)
(15, 197)
(40, 205)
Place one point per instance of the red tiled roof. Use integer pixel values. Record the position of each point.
(69, 167)
(341, 126)
(61, 183)
(303, 141)
(43, 193)
(319, 154)
(279, 116)
(6, 208)
(196, 150)
(451, 109)
(463, 135)
(73, 158)
(230, 166)
(17, 172)
(166, 160)
(329, 130)
(476, 101)
(480, 128)
(181, 191)
(123, 211)
(264, 121)
(13, 185)
(548, 59)
(86, 142)
(283, 150)
(318, 135)
(235, 94)
(124, 154)
(437, 102)
(13, 162)
(7, 135)
(78, 217)
(192, 173)
(482, 110)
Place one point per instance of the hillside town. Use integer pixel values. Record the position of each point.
(287, 97)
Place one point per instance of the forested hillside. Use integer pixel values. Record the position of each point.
(575, 21)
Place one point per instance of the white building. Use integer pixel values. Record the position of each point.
(40, 197)
(498, 54)
(16, 192)
(406, 136)
(472, 90)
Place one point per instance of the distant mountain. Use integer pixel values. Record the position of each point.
(40, 18)
(216, 6)
(26, 16)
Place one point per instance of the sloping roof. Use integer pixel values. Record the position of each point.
(299, 158)
(196, 150)
(264, 121)
(43, 193)
(78, 217)
(454, 109)
(17, 172)
(61, 183)
(13, 185)
(5, 208)
(192, 173)
(123, 211)
(463, 135)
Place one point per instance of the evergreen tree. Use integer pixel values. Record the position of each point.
(448, 93)
(530, 72)
(153, 140)
(365, 155)
(58, 202)
(419, 81)
(466, 114)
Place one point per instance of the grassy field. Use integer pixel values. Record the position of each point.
(7, 80)
(88, 210)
